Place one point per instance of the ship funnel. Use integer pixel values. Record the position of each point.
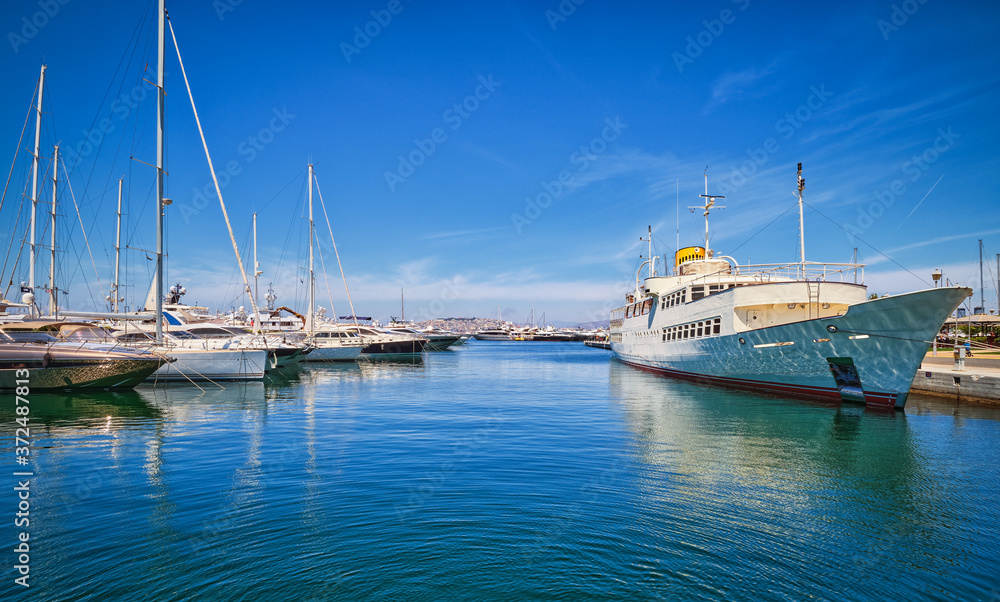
(688, 254)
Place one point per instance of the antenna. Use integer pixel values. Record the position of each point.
(677, 241)
(709, 203)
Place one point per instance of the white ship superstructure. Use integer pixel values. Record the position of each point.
(802, 329)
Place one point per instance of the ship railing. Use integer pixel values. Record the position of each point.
(765, 273)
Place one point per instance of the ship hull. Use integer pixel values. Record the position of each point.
(869, 355)
(334, 353)
(212, 365)
(58, 373)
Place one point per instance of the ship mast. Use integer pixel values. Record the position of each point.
(34, 186)
(53, 295)
(256, 264)
(802, 230)
(709, 203)
(312, 280)
(161, 45)
(118, 247)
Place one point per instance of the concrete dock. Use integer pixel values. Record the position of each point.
(979, 381)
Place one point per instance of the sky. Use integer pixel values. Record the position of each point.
(507, 156)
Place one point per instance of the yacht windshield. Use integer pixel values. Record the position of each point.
(183, 334)
(89, 334)
(31, 337)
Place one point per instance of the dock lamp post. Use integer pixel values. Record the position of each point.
(936, 275)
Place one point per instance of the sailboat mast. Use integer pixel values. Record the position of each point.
(161, 45)
(34, 184)
(802, 230)
(118, 247)
(402, 306)
(256, 264)
(312, 280)
(53, 295)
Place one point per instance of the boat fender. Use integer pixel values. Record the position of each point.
(46, 359)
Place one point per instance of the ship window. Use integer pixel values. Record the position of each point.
(697, 292)
(684, 296)
(715, 288)
(717, 326)
(699, 328)
(663, 303)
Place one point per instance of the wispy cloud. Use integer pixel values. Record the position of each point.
(461, 233)
(734, 85)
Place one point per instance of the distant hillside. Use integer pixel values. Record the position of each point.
(477, 324)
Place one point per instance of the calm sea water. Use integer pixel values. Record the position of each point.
(502, 471)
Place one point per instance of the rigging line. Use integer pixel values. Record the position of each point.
(218, 189)
(901, 266)
(296, 177)
(89, 251)
(323, 205)
(288, 230)
(326, 277)
(134, 37)
(18, 260)
(17, 152)
(792, 206)
(917, 206)
(10, 245)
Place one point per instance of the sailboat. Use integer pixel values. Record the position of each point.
(803, 329)
(194, 358)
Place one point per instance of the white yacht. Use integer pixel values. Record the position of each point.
(195, 358)
(800, 329)
(436, 340)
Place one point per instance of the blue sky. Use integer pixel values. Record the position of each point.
(511, 153)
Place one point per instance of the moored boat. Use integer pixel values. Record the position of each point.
(800, 329)
(42, 362)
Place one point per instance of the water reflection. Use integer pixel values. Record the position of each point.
(773, 481)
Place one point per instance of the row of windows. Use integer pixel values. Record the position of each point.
(702, 328)
(639, 309)
(673, 299)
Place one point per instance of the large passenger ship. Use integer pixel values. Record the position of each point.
(800, 329)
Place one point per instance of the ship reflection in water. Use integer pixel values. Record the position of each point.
(777, 484)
